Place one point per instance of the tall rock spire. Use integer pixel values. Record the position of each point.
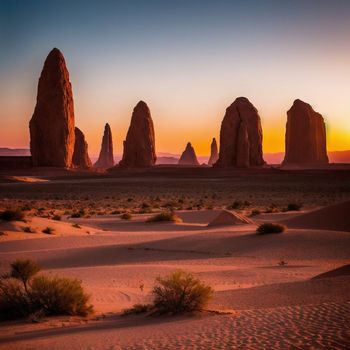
(305, 136)
(241, 136)
(188, 156)
(106, 160)
(139, 146)
(52, 125)
(80, 156)
(214, 154)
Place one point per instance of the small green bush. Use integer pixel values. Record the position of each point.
(180, 292)
(14, 301)
(255, 212)
(23, 270)
(59, 296)
(293, 207)
(78, 214)
(164, 216)
(138, 309)
(48, 230)
(126, 216)
(22, 293)
(28, 229)
(12, 215)
(269, 227)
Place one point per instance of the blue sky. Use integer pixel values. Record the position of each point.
(187, 59)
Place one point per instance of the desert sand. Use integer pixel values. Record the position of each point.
(259, 302)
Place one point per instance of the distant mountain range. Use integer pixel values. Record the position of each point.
(170, 158)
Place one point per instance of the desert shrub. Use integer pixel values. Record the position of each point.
(145, 205)
(56, 217)
(48, 230)
(14, 301)
(78, 214)
(28, 229)
(59, 296)
(138, 309)
(239, 205)
(126, 216)
(164, 216)
(76, 226)
(293, 207)
(180, 292)
(22, 293)
(12, 215)
(255, 212)
(269, 227)
(23, 270)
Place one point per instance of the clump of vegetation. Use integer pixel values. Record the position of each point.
(24, 293)
(239, 205)
(164, 216)
(293, 207)
(56, 217)
(76, 226)
(59, 296)
(269, 227)
(28, 229)
(12, 215)
(255, 212)
(138, 309)
(48, 230)
(180, 292)
(78, 214)
(23, 270)
(272, 209)
(126, 216)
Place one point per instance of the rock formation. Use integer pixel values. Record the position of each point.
(105, 159)
(139, 146)
(80, 155)
(305, 136)
(226, 217)
(52, 124)
(188, 156)
(241, 136)
(214, 155)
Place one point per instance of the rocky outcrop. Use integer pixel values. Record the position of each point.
(241, 136)
(305, 136)
(139, 145)
(229, 218)
(214, 154)
(188, 156)
(106, 159)
(52, 124)
(80, 156)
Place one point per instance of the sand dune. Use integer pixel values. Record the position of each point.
(270, 306)
(335, 218)
(340, 271)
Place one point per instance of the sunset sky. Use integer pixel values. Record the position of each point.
(188, 60)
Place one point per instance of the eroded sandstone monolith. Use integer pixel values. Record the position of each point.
(106, 159)
(188, 156)
(305, 136)
(214, 154)
(241, 136)
(80, 155)
(139, 145)
(52, 125)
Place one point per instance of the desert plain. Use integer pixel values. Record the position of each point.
(276, 291)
